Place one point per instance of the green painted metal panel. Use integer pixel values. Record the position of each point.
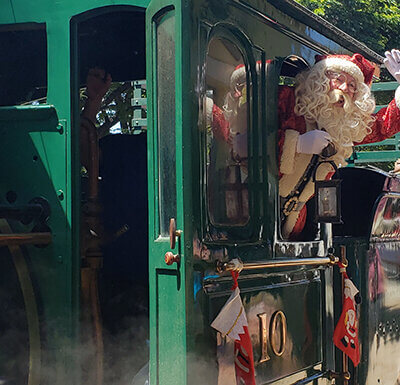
(384, 86)
(377, 156)
(170, 330)
(167, 110)
(386, 142)
(373, 152)
(34, 148)
(20, 11)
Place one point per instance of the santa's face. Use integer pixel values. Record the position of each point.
(345, 83)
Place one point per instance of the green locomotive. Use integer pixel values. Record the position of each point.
(85, 300)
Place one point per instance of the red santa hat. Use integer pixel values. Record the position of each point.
(356, 66)
(239, 74)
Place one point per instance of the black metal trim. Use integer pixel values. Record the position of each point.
(280, 27)
(304, 15)
(312, 378)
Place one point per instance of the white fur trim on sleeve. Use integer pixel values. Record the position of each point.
(289, 224)
(289, 151)
(209, 109)
(397, 97)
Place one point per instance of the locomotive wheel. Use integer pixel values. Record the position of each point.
(19, 318)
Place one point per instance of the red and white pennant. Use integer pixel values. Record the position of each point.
(232, 322)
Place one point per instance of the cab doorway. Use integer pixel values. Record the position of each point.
(113, 195)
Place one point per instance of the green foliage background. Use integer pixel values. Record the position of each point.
(373, 22)
(376, 23)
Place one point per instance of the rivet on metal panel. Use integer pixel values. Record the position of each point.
(60, 195)
(11, 196)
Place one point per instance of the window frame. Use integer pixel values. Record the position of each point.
(160, 215)
(237, 234)
(315, 244)
(29, 28)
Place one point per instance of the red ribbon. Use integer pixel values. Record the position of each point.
(235, 276)
(342, 269)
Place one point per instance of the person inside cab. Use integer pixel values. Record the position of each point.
(332, 107)
(329, 110)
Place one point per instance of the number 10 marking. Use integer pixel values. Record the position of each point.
(278, 320)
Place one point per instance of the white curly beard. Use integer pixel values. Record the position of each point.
(339, 122)
(347, 121)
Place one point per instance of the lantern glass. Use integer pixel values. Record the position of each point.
(327, 202)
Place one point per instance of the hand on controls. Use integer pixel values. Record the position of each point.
(313, 142)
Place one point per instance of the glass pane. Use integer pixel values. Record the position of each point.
(23, 68)
(387, 218)
(165, 33)
(122, 110)
(226, 132)
(327, 202)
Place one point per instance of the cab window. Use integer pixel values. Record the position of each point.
(165, 28)
(23, 76)
(226, 125)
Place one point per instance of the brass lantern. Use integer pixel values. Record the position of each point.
(328, 207)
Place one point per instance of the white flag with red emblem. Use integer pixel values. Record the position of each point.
(232, 322)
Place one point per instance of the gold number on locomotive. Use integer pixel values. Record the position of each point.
(278, 317)
(263, 338)
(278, 345)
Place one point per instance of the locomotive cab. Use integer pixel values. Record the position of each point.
(124, 263)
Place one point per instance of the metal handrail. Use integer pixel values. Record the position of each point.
(312, 378)
(317, 261)
(25, 239)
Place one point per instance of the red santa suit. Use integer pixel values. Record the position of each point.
(292, 165)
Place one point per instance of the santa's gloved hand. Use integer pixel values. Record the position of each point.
(313, 142)
(392, 63)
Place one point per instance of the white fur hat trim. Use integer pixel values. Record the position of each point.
(339, 64)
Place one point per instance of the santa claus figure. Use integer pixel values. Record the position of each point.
(329, 110)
